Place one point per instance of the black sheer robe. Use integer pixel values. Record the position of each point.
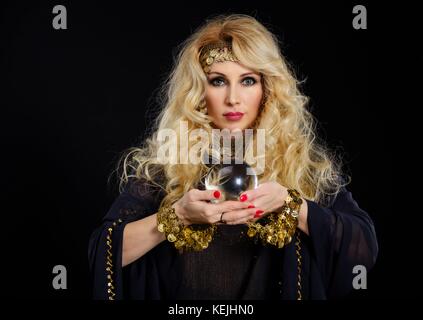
(341, 236)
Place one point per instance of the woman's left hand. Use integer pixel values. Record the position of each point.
(267, 197)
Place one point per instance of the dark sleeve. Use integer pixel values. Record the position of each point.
(342, 236)
(138, 200)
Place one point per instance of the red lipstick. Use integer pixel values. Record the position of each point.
(233, 116)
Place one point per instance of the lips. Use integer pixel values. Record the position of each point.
(233, 116)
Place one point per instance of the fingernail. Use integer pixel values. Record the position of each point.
(250, 206)
(216, 194)
(243, 197)
(258, 213)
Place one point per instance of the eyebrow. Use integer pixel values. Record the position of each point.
(242, 75)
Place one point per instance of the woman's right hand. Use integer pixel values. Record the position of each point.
(194, 208)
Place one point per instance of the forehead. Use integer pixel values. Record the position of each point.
(230, 68)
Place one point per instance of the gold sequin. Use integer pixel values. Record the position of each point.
(184, 238)
(281, 226)
(109, 261)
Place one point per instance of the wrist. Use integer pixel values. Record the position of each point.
(302, 218)
(179, 213)
(183, 237)
(281, 228)
(280, 200)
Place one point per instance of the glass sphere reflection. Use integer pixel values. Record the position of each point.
(231, 180)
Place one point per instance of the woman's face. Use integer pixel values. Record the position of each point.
(233, 95)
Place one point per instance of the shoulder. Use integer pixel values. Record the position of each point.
(142, 188)
(336, 193)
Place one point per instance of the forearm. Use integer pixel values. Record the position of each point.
(139, 237)
(302, 217)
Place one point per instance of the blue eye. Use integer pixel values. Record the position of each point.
(249, 81)
(217, 82)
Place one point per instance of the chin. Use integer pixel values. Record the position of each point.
(231, 126)
(234, 127)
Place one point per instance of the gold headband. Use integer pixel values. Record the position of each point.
(216, 52)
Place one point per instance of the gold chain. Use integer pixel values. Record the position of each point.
(109, 261)
(299, 266)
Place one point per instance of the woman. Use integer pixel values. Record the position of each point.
(230, 74)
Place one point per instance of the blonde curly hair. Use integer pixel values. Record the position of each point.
(294, 157)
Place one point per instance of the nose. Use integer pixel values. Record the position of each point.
(232, 96)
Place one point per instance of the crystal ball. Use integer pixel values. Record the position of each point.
(231, 180)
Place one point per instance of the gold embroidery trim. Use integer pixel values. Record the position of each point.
(109, 261)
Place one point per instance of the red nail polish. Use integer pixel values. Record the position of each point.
(250, 206)
(216, 194)
(258, 213)
(243, 197)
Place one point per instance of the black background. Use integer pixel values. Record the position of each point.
(72, 100)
